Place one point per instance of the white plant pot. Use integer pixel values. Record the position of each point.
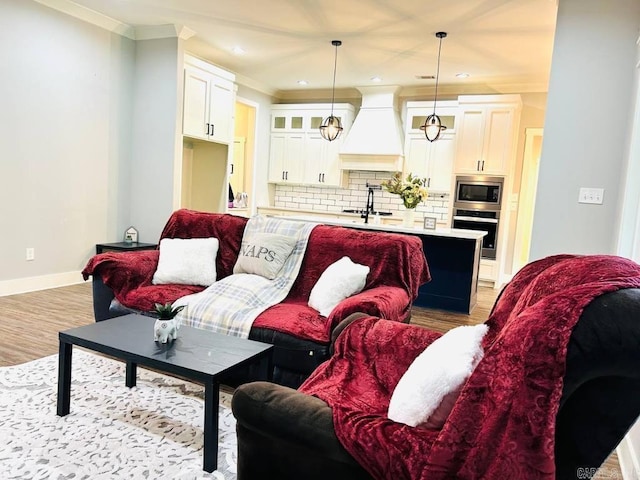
(408, 217)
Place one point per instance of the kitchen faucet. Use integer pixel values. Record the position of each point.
(369, 207)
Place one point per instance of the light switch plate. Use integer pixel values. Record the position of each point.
(591, 195)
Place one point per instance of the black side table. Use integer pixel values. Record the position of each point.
(124, 247)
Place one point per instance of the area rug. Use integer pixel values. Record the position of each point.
(153, 430)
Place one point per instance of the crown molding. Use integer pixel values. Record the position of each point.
(255, 85)
(142, 32)
(474, 88)
(152, 32)
(320, 94)
(90, 16)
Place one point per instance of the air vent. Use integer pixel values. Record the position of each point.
(426, 77)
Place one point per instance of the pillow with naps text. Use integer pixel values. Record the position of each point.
(339, 281)
(264, 254)
(187, 261)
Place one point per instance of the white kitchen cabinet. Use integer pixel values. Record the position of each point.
(322, 161)
(488, 271)
(432, 160)
(286, 157)
(486, 133)
(299, 154)
(209, 101)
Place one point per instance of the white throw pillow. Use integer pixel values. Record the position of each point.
(339, 281)
(426, 393)
(187, 261)
(264, 254)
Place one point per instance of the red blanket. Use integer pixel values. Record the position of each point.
(397, 269)
(129, 274)
(503, 424)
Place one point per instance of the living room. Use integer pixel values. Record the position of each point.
(95, 165)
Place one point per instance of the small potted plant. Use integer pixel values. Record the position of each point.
(166, 326)
(167, 311)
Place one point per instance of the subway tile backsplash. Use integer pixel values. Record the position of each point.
(326, 199)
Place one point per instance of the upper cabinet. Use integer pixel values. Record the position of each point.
(298, 152)
(209, 99)
(486, 133)
(432, 160)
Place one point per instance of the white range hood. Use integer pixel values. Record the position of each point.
(375, 140)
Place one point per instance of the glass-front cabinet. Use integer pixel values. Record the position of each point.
(432, 160)
(298, 153)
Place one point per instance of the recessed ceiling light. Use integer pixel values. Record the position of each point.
(303, 82)
(462, 75)
(238, 50)
(376, 79)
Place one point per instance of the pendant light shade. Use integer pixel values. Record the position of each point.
(433, 125)
(331, 128)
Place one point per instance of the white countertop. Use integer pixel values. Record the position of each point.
(438, 232)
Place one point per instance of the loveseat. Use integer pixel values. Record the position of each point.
(557, 389)
(122, 283)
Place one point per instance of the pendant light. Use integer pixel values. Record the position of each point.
(331, 127)
(433, 125)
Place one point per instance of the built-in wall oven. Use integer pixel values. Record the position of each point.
(476, 206)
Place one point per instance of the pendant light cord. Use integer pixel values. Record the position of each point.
(335, 66)
(437, 72)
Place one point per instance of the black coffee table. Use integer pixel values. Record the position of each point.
(196, 354)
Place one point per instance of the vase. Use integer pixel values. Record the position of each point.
(408, 217)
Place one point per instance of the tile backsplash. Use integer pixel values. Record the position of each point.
(354, 195)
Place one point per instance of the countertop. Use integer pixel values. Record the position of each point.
(438, 232)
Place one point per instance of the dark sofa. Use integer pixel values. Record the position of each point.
(122, 284)
(288, 434)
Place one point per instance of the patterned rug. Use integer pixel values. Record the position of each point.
(153, 430)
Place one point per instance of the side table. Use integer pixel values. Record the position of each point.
(124, 247)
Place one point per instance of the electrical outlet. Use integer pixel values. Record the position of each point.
(31, 254)
(591, 195)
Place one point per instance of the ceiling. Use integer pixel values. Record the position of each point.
(504, 45)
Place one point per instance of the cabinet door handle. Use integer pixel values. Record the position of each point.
(428, 182)
(319, 177)
(283, 175)
(483, 165)
(232, 169)
(286, 175)
(478, 165)
(212, 129)
(207, 128)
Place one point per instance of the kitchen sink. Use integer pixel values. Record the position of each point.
(362, 212)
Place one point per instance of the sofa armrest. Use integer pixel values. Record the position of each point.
(342, 325)
(123, 268)
(391, 303)
(273, 421)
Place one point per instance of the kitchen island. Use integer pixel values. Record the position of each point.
(453, 256)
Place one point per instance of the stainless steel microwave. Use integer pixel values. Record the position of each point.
(479, 192)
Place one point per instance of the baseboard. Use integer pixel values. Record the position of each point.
(43, 282)
(628, 459)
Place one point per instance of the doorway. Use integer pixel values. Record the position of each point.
(242, 166)
(526, 205)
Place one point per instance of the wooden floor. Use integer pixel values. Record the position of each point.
(30, 322)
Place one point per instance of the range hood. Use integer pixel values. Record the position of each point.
(374, 141)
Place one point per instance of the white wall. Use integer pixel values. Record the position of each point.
(64, 143)
(629, 236)
(157, 141)
(587, 125)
